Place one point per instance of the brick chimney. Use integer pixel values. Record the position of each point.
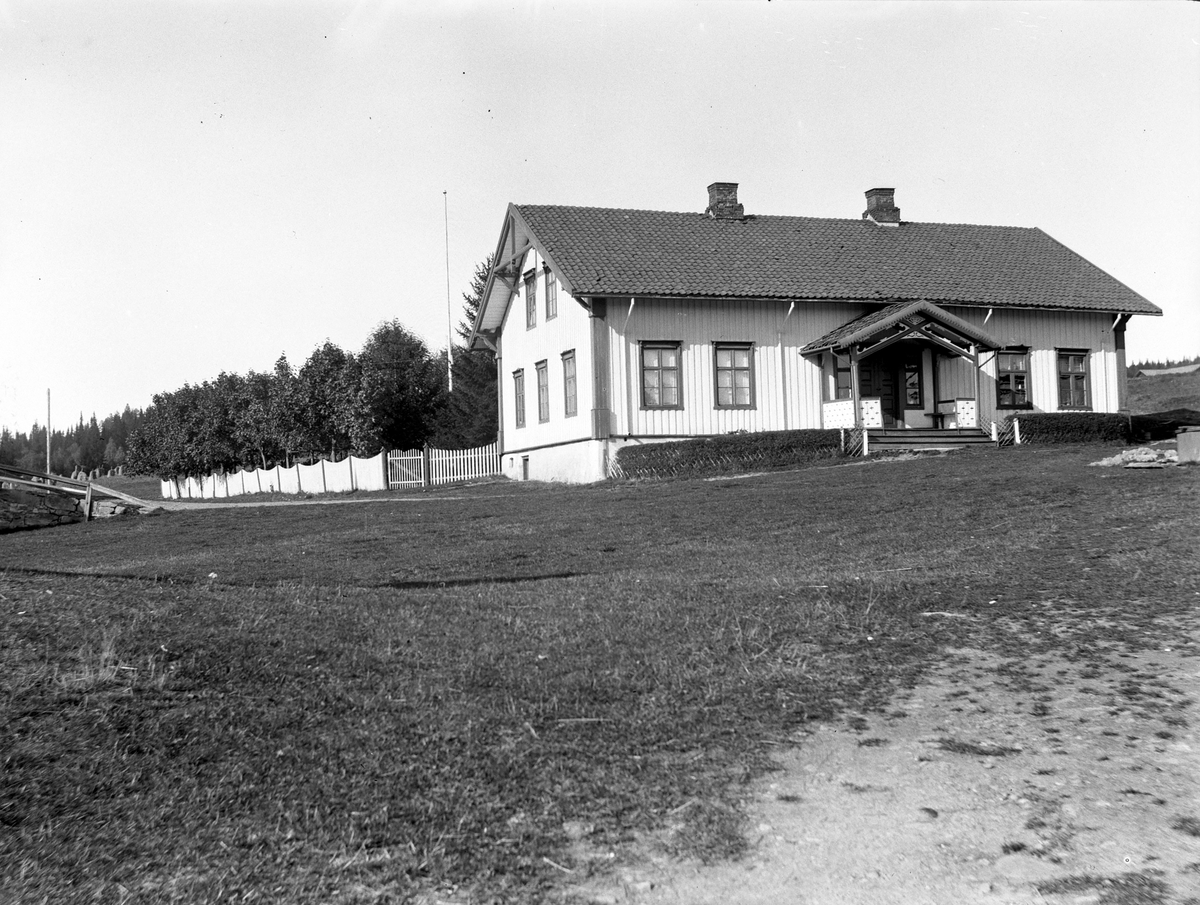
(881, 207)
(722, 201)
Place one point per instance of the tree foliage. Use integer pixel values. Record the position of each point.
(402, 389)
(392, 394)
(388, 396)
(470, 417)
(88, 446)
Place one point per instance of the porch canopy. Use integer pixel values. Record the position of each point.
(919, 320)
(879, 403)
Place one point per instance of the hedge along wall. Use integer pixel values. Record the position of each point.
(730, 454)
(1073, 427)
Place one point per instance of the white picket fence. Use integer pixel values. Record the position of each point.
(386, 471)
(427, 467)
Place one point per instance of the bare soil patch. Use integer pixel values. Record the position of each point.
(1047, 777)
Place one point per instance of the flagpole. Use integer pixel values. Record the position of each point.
(449, 314)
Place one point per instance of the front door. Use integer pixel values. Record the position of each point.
(878, 377)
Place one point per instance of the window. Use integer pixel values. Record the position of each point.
(543, 379)
(660, 376)
(913, 397)
(1073, 379)
(530, 300)
(1012, 379)
(570, 400)
(519, 397)
(841, 373)
(735, 376)
(551, 295)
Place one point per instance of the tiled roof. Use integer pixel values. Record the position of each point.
(603, 251)
(875, 322)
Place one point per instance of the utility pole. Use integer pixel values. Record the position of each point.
(449, 315)
(47, 430)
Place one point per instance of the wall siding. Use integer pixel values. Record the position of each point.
(1045, 332)
(787, 387)
(524, 348)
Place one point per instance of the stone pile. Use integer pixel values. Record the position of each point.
(1142, 457)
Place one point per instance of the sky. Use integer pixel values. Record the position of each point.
(194, 187)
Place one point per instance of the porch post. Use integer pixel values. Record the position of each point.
(937, 390)
(975, 361)
(855, 391)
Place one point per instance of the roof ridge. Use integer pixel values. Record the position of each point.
(700, 215)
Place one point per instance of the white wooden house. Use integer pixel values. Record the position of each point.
(613, 327)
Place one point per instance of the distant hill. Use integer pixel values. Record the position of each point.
(1164, 393)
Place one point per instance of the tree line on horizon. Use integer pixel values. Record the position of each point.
(392, 394)
(1165, 363)
(88, 446)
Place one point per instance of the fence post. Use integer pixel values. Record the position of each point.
(425, 466)
(866, 450)
(384, 456)
(324, 482)
(1016, 432)
(995, 433)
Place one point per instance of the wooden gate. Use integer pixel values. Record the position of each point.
(407, 468)
(426, 467)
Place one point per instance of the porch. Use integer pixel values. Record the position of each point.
(908, 366)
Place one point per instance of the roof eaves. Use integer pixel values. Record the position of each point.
(488, 286)
(1157, 312)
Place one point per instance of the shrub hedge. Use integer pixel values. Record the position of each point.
(1163, 425)
(729, 454)
(1073, 427)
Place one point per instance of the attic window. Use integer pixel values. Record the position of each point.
(530, 300)
(551, 295)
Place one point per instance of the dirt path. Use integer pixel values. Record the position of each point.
(1016, 779)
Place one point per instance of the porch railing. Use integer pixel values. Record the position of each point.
(958, 414)
(839, 413)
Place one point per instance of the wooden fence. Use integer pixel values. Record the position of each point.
(385, 471)
(428, 467)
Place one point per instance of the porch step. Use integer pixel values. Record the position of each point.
(927, 438)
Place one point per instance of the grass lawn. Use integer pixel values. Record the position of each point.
(359, 703)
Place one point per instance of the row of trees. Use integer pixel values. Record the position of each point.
(89, 445)
(1165, 363)
(392, 394)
